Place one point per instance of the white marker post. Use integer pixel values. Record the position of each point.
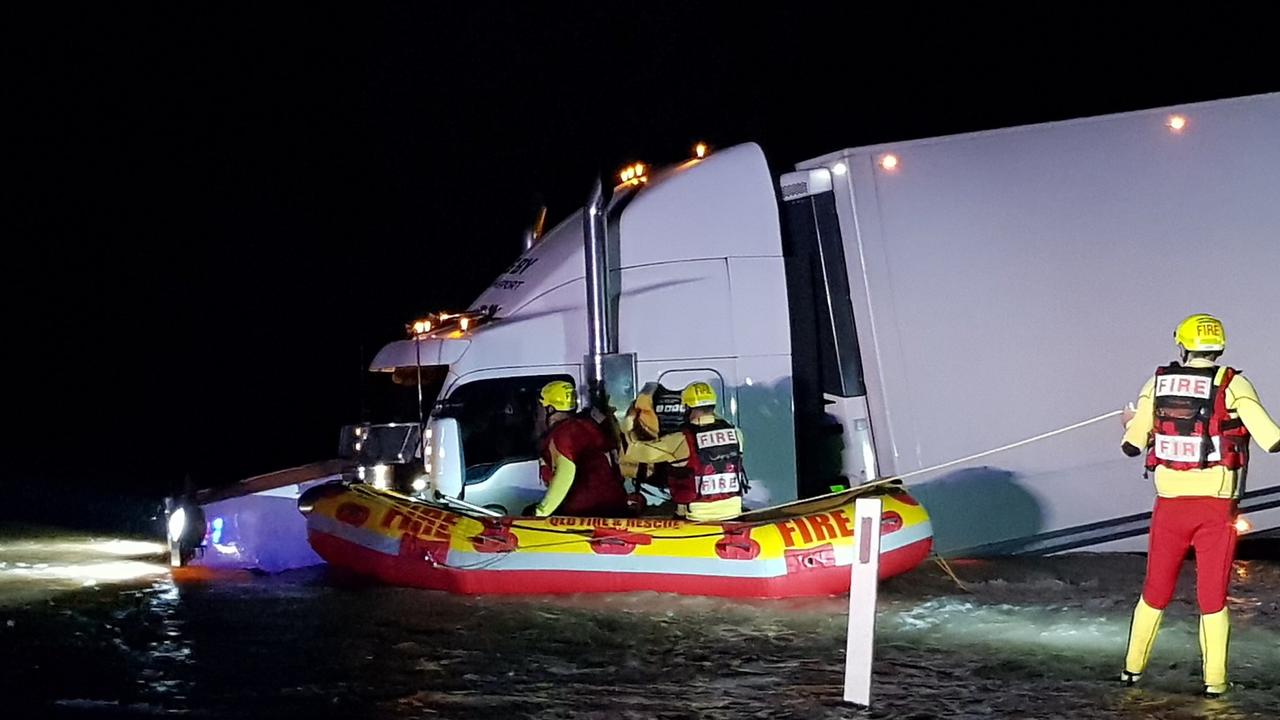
(863, 582)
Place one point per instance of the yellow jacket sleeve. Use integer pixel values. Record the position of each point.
(670, 448)
(1243, 399)
(1136, 432)
(562, 472)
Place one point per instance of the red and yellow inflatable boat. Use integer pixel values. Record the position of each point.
(800, 549)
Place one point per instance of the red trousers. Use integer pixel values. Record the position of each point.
(1208, 525)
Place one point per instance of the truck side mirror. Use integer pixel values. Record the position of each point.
(446, 470)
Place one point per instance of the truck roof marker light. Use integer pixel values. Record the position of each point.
(700, 150)
(451, 324)
(889, 162)
(840, 169)
(634, 174)
(1176, 123)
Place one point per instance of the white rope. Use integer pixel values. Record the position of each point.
(1010, 446)
(895, 478)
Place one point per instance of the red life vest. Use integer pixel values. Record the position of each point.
(1191, 428)
(714, 470)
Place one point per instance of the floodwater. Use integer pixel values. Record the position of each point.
(99, 628)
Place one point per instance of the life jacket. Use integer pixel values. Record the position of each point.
(714, 470)
(670, 410)
(1192, 428)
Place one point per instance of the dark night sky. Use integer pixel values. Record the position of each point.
(216, 215)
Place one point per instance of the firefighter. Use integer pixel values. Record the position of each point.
(713, 481)
(702, 460)
(578, 460)
(1194, 419)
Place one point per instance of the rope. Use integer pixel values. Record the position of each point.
(1010, 446)
(898, 478)
(942, 563)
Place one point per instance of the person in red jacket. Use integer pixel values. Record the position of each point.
(578, 460)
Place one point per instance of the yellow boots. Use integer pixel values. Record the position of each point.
(1215, 632)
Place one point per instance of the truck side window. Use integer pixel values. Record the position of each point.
(497, 419)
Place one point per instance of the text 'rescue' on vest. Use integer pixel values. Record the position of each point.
(1191, 427)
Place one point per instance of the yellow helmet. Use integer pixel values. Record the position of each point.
(1201, 333)
(698, 394)
(559, 395)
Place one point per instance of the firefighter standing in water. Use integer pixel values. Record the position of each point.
(702, 461)
(577, 460)
(1194, 419)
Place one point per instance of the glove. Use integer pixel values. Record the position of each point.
(1128, 414)
(1131, 450)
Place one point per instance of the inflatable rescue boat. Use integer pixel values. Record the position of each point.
(799, 549)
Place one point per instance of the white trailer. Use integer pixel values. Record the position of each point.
(1008, 283)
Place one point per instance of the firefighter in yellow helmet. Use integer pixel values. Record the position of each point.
(1194, 420)
(702, 459)
(577, 459)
